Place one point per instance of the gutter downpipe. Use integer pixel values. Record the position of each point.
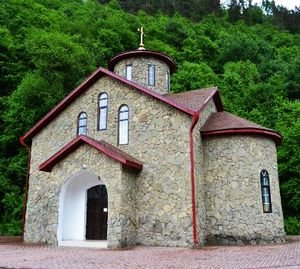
(26, 186)
(195, 119)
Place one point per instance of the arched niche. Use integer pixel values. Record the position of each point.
(73, 206)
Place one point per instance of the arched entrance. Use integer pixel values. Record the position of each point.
(82, 199)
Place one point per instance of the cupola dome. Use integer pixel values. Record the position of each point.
(151, 69)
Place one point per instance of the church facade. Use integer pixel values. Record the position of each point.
(123, 160)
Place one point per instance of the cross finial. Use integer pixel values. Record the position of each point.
(141, 30)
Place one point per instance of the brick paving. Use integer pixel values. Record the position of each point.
(30, 256)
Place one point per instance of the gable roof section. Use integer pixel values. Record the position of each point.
(197, 99)
(170, 100)
(224, 123)
(101, 146)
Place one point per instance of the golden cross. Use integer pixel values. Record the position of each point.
(141, 30)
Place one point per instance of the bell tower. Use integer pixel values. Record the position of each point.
(150, 69)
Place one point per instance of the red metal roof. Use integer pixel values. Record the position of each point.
(196, 100)
(102, 146)
(224, 123)
(140, 53)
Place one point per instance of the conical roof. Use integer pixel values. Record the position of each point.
(225, 123)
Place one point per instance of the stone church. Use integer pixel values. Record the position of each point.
(124, 161)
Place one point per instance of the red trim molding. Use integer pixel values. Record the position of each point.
(194, 122)
(274, 135)
(215, 95)
(22, 142)
(218, 101)
(140, 53)
(84, 86)
(103, 147)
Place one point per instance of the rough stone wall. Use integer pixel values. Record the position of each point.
(44, 192)
(158, 136)
(128, 220)
(233, 192)
(42, 209)
(199, 172)
(140, 72)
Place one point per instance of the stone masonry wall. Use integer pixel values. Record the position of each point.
(199, 172)
(158, 136)
(45, 188)
(140, 72)
(233, 192)
(129, 219)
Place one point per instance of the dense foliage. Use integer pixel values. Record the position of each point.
(48, 46)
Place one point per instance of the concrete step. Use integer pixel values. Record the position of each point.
(84, 243)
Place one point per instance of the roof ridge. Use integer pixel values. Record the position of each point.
(191, 91)
(198, 99)
(117, 149)
(104, 147)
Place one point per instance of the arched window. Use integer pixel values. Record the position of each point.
(82, 124)
(102, 113)
(265, 191)
(123, 125)
(151, 74)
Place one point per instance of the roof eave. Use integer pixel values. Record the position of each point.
(53, 113)
(246, 131)
(86, 84)
(138, 53)
(218, 101)
(78, 141)
(215, 95)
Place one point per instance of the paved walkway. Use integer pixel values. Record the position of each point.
(26, 256)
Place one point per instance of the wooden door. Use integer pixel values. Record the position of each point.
(97, 212)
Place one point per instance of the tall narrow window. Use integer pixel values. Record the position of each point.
(167, 82)
(265, 191)
(123, 125)
(103, 107)
(151, 74)
(128, 72)
(82, 124)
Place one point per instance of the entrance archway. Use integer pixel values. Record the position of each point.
(72, 221)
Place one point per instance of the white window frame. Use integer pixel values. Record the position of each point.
(151, 75)
(123, 126)
(128, 72)
(82, 123)
(102, 111)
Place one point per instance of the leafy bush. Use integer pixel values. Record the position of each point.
(292, 226)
